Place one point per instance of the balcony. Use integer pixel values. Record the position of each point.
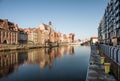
(118, 26)
(116, 3)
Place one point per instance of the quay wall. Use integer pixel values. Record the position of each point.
(25, 47)
(112, 55)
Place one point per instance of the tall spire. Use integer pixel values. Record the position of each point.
(50, 23)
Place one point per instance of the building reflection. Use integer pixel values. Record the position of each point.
(8, 62)
(22, 57)
(44, 57)
(61, 51)
(71, 50)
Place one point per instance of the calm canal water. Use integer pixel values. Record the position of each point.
(56, 64)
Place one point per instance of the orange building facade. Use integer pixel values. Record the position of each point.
(10, 33)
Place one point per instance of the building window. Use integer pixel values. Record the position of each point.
(3, 34)
(6, 34)
(0, 37)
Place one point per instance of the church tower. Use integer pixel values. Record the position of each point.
(50, 23)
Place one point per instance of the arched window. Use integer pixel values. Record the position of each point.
(4, 42)
(4, 34)
(0, 34)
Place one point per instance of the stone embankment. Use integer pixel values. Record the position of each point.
(112, 55)
(25, 47)
(97, 70)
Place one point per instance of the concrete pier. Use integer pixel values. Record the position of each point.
(96, 70)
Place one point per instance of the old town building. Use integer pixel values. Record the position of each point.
(33, 34)
(71, 38)
(65, 38)
(53, 36)
(39, 35)
(58, 37)
(42, 35)
(46, 30)
(22, 36)
(8, 32)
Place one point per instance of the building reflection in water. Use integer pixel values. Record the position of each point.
(10, 61)
(71, 50)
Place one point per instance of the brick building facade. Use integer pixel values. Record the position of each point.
(8, 32)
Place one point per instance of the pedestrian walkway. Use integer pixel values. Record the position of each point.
(96, 70)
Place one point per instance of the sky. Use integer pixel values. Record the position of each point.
(81, 17)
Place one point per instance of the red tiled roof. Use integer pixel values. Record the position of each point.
(94, 37)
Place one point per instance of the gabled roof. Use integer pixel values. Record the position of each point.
(94, 37)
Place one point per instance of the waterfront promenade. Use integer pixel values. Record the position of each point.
(96, 70)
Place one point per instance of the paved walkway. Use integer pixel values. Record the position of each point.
(96, 70)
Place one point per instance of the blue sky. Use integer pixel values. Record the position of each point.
(81, 17)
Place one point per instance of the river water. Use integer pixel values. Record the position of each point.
(66, 63)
